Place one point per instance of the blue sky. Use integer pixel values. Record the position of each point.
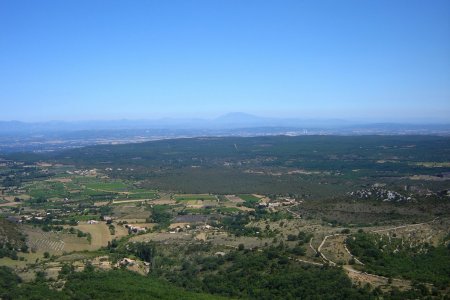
(357, 60)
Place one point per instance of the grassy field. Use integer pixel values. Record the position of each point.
(190, 197)
(80, 188)
(45, 189)
(249, 198)
(86, 217)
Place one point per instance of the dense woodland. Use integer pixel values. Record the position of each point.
(334, 165)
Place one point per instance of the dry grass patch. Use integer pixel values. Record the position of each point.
(335, 251)
(99, 232)
(164, 237)
(361, 279)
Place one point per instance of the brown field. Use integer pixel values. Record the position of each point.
(234, 199)
(9, 204)
(21, 196)
(202, 236)
(102, 203)
(120, 231)
(99, 232)
(58, 243)
(200, 203)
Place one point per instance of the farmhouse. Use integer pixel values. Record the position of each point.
(134, 229)
(107, 219)
(126, 262)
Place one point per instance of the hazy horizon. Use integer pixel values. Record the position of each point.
(371, 61)
(241, 117)
(360, 119)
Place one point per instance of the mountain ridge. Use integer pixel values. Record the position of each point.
(232, 120)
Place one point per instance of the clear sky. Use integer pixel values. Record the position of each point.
(364, 59)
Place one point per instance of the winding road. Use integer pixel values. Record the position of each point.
(372, 277)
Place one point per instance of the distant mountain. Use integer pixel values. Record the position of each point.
(243, 120)
(230, 121)
(238, 117)
(18, 136)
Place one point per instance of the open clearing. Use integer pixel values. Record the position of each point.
(99, 232)
(334, 249)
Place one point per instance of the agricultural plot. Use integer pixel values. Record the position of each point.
(113, 186)
(251, 199)
(8, 203)
(200, 203)
(125, 201)
(47, 189)
(230, 209)
(193, 197)
(142, 194)
(40, 241)
(136, 196)
(79, 188)
(130, 211)
(99, 232)
(54, 243)
(57, 243)
(234, 199)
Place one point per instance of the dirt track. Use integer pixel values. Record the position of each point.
(363, 277)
